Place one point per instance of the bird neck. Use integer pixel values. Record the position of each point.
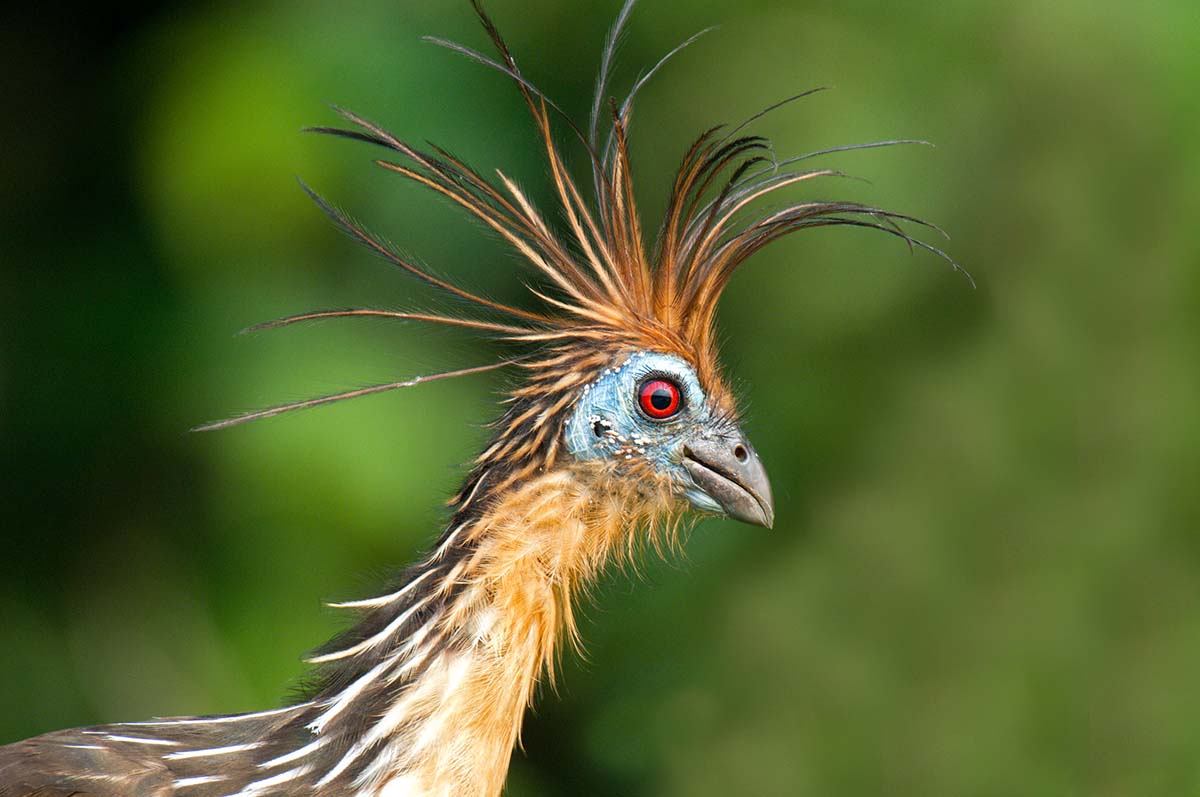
(431, 686)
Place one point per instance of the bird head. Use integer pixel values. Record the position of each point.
(620, 372)
(649, 413)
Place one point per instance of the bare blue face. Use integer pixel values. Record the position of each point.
(651, 407)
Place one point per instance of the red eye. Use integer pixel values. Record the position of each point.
(658, 398)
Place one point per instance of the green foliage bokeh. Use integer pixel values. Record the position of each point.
(984, 578)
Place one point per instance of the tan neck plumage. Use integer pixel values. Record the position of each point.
(530, 554)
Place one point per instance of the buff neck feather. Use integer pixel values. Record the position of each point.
(503, 608)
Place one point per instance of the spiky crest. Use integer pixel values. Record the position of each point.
(604, 288)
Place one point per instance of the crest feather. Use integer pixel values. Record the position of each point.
(605, 288)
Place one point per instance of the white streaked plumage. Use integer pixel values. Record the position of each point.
(378, 639)
(199, 780)
(347, 697)
(220, 720)
(137, 740)
(212, 751)
(382, 600)
(266, 784)
(295, 755)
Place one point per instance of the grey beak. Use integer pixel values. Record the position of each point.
(731, 474)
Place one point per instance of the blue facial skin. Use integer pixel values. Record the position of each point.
(608, 424)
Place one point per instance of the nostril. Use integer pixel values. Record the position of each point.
(740, 453)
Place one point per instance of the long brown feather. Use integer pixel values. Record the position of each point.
(603, 285)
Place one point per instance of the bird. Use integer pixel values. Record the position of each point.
(619, 430)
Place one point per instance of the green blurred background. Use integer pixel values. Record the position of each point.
(985, 574)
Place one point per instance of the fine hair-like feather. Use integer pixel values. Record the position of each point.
(601, 281)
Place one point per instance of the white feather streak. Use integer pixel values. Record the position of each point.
(135, 740)
(212, 751)
(378, 639)
(199, 780)
(382, 600)
(260, 786)
(287, 758)
(347, 697)
(215, 720)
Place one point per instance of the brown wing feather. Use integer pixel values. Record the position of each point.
(74, 764)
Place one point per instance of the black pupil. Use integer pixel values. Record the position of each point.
(661, 398)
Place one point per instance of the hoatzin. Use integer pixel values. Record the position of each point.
(620, 423)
